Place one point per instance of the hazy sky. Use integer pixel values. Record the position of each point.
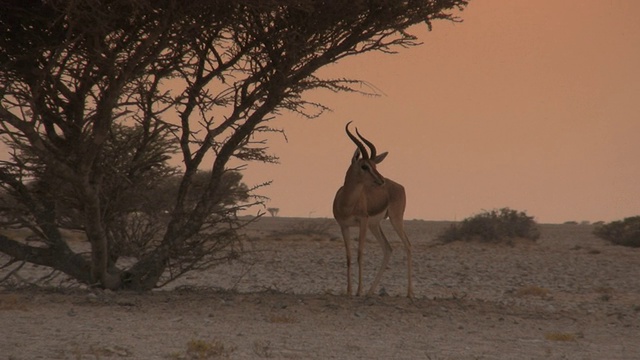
(534, 105)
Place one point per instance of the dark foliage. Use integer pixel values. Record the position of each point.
(624, 232)
(501, 225)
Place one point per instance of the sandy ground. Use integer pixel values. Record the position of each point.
(568, 296)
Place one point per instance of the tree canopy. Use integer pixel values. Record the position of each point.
(208, 74)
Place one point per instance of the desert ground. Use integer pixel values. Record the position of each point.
(569, 295)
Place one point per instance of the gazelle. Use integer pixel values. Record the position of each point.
(365, 199)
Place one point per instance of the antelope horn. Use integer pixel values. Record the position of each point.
(355, 140)
(369, 144)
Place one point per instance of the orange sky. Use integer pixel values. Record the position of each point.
(534, 105)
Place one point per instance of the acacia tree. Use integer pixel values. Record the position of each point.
(133, 164)
(211, 72)
(273, 211)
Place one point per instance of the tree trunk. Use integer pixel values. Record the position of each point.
(98, 239)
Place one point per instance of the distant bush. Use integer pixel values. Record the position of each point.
(622, 232)
(493, 226)
(317, 229)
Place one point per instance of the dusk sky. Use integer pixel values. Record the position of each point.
(532, 105)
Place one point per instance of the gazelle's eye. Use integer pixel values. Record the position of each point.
(365, 167)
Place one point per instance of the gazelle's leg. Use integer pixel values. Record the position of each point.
(346, 236)
(386, 248)
(361, 241)
(398, 226)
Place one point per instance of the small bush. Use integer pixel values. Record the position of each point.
(316, 229)
(622, 232)
(493, 226)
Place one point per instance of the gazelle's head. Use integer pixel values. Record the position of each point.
(363, 164)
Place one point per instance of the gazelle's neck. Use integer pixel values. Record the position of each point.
(351, 190)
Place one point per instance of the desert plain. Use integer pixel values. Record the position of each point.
(569, 295)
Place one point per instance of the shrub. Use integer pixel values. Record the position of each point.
(622, 232)
(493, 226)
(317, 229)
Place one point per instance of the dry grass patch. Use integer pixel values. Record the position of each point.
(532, 291)
(282, 319)
(12, 302)
(606, 293)
(93, 351)
(604, 290)
(202, 350)
(560, 336)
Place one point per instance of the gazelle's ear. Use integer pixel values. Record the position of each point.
(378, 159)
(356, 156)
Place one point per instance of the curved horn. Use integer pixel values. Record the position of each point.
(369, 144)
(355, 140)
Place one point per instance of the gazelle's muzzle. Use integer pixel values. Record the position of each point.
(377, 177)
